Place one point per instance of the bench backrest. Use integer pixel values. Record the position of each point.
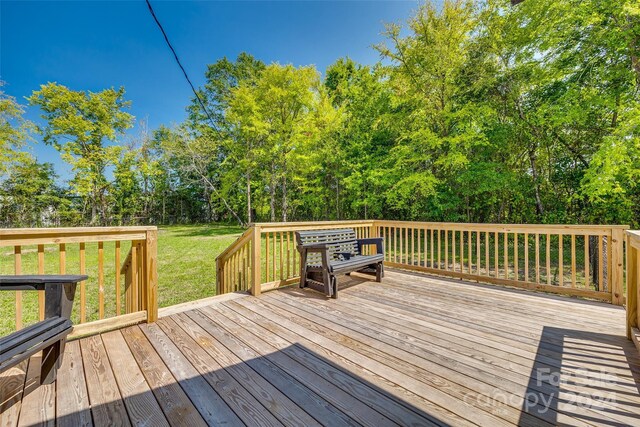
(338, 241)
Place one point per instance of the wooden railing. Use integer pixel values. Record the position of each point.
(578, 260)
(95, 251)
(266, 254)
(633, 286)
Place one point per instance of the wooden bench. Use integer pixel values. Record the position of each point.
(327, 253)
(48, 335)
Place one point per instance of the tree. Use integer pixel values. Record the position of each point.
(279, 112)
(236, 149)
(14, 131)
(80, 125)
(441, 126)
(367, 134)
(29, 197)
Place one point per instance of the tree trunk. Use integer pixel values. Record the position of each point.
(164, 208)
(536, 182)
(337, 200)
(94, 211)
(249, 218)
(272, 196)
(284, 199)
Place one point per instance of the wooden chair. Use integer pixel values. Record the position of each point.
(326, 253)
(48, 335)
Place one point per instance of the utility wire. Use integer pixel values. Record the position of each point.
(186, 76)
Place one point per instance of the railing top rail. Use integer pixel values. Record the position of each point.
(312, 223)
(38, 236)
(634, 238)
(244, 237)
(72, 230)
(489, 226)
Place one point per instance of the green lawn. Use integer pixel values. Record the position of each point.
(186, 270)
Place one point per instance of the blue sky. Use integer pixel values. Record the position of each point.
(92, 45)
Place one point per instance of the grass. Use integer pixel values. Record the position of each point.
(186, 270)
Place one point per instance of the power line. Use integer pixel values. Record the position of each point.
(186, 76)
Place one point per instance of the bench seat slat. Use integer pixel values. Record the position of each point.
(354, 262)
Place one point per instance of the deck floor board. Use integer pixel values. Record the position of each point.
(413, 350)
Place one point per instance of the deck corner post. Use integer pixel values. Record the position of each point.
(617, 269)
(151, 273)
(633, 316)
(256, 248)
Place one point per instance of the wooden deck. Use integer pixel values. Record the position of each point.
(413, 350)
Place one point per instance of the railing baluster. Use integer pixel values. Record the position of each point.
(101, 280)
(446, 249)
(560, 260)
(487, 263)
(462, 263)
(453, 248)
(432, 254)
(17, 269)
(470, 260)
(439, 248)
(266, 258)
(281, 256)
(478, 263)
(117, 267)
(41, 301)
(497, 254)
(406, 245)
(83, 284)
(506, 255)
(548, 259)
(274, 240)
(63, 258)
(516, 257)
(600, 263)
(288, 255)
(526, 257)
(537, 246)
(418, 249)
(413, 246)
(573, 260)
(397, 244)
(586, 261)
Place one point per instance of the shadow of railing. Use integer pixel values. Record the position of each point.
(573, 368)
(291, 385)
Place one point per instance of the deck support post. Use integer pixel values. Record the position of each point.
(151, 275)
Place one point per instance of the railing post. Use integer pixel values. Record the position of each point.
(374, 232)
(633, 316)
(151, 275)
(219, 278)
(256, 248)
(617, 269)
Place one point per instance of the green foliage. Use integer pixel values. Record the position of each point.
(477, 112)
(79, 125)
(14, 132)
(29, 196)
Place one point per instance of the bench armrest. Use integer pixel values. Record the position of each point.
(378, 241)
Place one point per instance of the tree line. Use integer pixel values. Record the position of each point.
(476, 112)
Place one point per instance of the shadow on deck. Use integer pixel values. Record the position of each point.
(413, 350)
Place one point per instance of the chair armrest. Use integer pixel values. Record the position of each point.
(37, 282)
(378, 241)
